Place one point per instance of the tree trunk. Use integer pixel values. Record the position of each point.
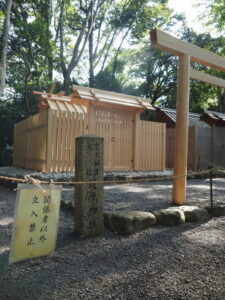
(3, 54)
(91, 65)
(221, 99)
(66, 82)
(81, 42)
(50, 68)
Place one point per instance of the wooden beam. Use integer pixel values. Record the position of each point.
(181, 142)
(116, 106)
(54, 97)
(166, 42)
(48, 162)
(91, 120)
(136, 141)
(79, 101)
(200, 76)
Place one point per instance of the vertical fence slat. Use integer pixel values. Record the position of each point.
(69, 121)
(152, 145)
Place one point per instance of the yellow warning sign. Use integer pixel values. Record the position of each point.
(35, 221)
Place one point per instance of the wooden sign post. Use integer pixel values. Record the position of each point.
(186, 52)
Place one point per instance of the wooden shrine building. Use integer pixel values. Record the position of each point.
(46, 141)
(169, 115)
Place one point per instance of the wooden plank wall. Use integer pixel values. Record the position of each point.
(20, 144)
(64, 127)
(218, 155)
(36, 141)
(117, 129)
(152, 146)
(170, 146)
(46, 141)
(30, 142)
(205, 146)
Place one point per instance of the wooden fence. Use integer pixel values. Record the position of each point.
(30, 142)
(63, 128)
(170, 146)
(117, 129)
(152, 146)
(46, 141)
(205, 146)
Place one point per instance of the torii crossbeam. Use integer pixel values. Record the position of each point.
(186, 52)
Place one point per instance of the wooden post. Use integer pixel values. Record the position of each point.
(186, 52)
(49, 125)
(181, 142)
(136, 142)
(91, 119)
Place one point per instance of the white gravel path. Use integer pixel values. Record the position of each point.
(183, 262)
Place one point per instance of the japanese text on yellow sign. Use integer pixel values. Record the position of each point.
(35, 221)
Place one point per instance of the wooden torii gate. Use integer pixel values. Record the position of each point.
(186, 52)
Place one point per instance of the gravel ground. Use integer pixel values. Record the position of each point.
(69, 176)
(182, 262)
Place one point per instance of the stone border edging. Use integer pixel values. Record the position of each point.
(130, 222)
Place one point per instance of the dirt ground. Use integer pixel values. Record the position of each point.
(181, 262)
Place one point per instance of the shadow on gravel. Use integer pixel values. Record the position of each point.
(158, 260)
(80, 263)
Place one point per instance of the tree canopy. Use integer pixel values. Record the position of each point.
(103, 44)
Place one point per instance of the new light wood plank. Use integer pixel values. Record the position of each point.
(20, 143)
(164, 147)
(200, 76)
(49, 141)
(54, 140)
(167, 42)
(181, 143)
(59, 142)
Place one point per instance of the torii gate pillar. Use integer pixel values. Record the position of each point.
(181, 142)
(186, 53)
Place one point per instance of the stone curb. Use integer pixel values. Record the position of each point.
(130, 222)
(217, 211)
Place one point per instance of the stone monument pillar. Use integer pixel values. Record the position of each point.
(89, 220)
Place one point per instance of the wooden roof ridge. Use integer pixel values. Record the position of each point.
(95, 95)
(50, 96)
(111, 97)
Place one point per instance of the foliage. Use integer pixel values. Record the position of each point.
(213, 14)
(204, 95)
(103, 44)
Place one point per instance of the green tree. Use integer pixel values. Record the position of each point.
(204, 95)
(4, 44)
(31, 51)
(129, 24)
(213, 14)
